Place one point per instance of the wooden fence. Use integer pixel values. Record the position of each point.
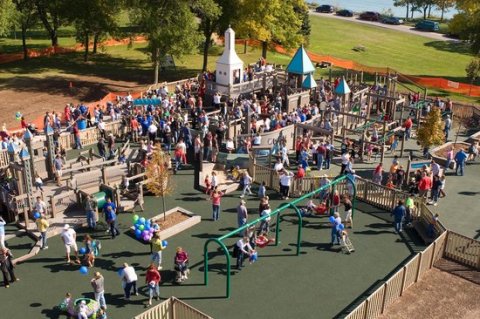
(61, 202)
(4, 159)
(172, 308)
(463, 250)
(377, 303)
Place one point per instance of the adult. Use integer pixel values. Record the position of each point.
(40, 206)
(348, 210)
(460, 159)
(333, 233)
(434, 168)
(90, 207)
(436, 186)
(472, 151)
(424, 185)
(42, 226)
(285, 182)
(129, 281)
(6, 266)
(111, 218)
(321, 155)
(58, 167)
(242, 214)
(408, 128)
(399, 214)
(2, 232)
(157, 247)
(215, 197)
(345, 161)
(76, 137)
(98, 285)
(69, 237)
(447, 127)
(264, 225)
(152, 279)
(242, 248)
(278, 165)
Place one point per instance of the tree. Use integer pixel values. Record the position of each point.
(7, 16)
(444, 5)
(170, 27)
(25, 17)
(92, 18)
(159, 180)
(473, 72)
(274, 20)
(209, 12)
(403, 3)
(53, 15)
(466, 23)
(431, 133)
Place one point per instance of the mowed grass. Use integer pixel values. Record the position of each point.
(406, 53)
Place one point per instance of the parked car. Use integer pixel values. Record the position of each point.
(370, 16)
(427, 25)
(392, 20)
(325, 8)
(345, 13)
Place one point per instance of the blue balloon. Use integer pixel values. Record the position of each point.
(142, 220)
(138, 233)
(341, 227)
(147, 227)
(36, 215)
(148, 223)
(164, 243)
(120, 272)
(331, 219)
(82, 250)
(83, 270)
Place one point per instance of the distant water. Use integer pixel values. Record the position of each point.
(380, 6)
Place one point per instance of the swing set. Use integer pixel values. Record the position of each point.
(277, 212)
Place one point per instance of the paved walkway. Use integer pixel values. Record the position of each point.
(401, 28)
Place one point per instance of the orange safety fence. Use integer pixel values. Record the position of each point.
(429, 82)
(35, 53)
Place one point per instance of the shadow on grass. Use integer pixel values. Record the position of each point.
(450, 46)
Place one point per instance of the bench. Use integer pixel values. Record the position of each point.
(421, 230)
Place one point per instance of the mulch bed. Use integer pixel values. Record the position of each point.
(456, 147)
(171, 220)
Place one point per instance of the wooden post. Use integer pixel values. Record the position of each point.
(403, 144)
(384, 297)
(384, 139)
(245, 47)
(104, 175)
(52, 204)
(403, 280)
(418, 267)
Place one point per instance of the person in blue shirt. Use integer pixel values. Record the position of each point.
(460, 159)
(111, 218)
(398, 215)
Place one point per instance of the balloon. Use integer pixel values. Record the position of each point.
(164, 243)
(82, 250)
(145, 233)
(18, 116)
(148, 223)
(341, 227)
(120, 272)
(83, 270)
(331, 219)
(151, 231)
(156, 227)
(141, 227)
(36, 215)
(135, 218)
(142, 220)
(145, 237)
(138, 233)
(147, 227)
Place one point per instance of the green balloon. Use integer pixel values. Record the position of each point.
(141, 227)
(135, 217)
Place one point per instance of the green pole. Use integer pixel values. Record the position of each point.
(300, 225)
(205, 263)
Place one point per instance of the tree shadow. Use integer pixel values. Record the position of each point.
(450, 46)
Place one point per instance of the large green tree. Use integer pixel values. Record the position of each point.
(7, 16)
(443, 6)
(53, 14)
(271, 21)
(466, 23)
(170, 27)
(25, 18)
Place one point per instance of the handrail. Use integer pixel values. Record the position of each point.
(276, 212)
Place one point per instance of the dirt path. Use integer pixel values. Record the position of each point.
(402, 28)
(439, 295)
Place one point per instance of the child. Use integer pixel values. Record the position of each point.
(393, 147)
(213, 181)
(207, 185)
(442, 188)
(262, 190)
(67, 304)
(82, 310)
(390, 183)
(431, 226)
(102, 314)
(38, 182)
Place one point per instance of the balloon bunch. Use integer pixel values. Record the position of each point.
(144, 229)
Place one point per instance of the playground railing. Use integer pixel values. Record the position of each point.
(61, 202)
(4, 159)
(172, 308)
(463, 250)
(393, 288)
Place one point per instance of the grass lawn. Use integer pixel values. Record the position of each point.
(406, 53)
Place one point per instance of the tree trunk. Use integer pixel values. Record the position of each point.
(443, 12)
(24, 42)
(264, 49)
(85, 55)
(425, 12)
(429, 11)
(164, 208)
(408, 10)
(95, 42)
(156, 61)
(206, 47)
(54, 38)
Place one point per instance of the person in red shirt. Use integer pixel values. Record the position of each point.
(152, 279)
(378, 174)
(424, 185)
(24, 123)
(298, 147)
(408, 128)
(181, 264)
(76, 135)
(134, 125)
(66, 111)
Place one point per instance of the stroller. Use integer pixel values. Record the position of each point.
(345, 243)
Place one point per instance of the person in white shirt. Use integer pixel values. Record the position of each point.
(40, 206)
(285, 182)
(69, 237)
(257, 140)
(129, 280)
(345, 161)
(435, 168)
(284, 152)
(247, 181)
(152, 132)
(242, 249)
(264, 226)
(278, 165)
